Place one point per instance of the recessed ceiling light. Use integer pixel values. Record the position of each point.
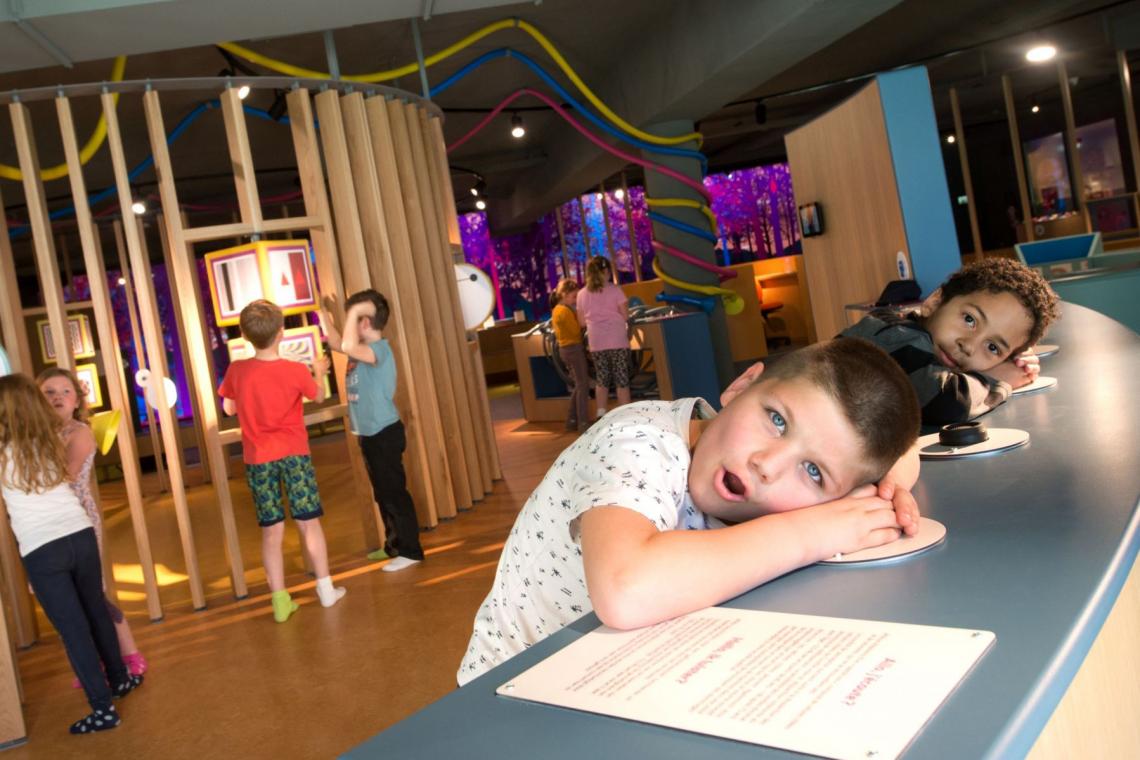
(138, 207)
(1041, 53)
(951, 139)
(243, 92)
(517, 128)
(1035, 108)
(480, 204)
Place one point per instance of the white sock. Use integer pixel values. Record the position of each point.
(601, 412)
(327, 593)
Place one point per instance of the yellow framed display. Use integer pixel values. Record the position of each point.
(299, 344)
(88, 377)
(276, 270)
(82, 344)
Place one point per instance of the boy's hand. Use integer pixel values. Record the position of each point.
(857, 521)
(321, 366)
(1029, 362)
(1016, 376)
(906, 508)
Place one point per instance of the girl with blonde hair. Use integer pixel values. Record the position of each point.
(58, 547)
(604, 309)
(69, 400)
(568, 333)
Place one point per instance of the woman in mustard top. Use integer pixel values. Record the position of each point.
(569, 335)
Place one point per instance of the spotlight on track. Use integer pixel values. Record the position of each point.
(619, 194)
(1034, 108)
(243, 92)
(475, 191)
(481, 204)
(951, 139)
(517, 128)
(1040, 53)
(138, 207)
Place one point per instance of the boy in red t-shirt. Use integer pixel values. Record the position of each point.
(267, 392)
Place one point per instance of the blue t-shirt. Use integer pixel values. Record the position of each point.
(370, 388)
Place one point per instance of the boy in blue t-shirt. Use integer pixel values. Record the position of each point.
(370, 383)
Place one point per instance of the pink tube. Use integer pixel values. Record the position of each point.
(723, 273)
(588, 134)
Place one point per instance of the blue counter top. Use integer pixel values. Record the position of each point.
(1040, 542)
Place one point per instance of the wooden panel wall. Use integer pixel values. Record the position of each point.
(842, 161)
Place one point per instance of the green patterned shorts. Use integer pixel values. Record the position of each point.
(300, 484)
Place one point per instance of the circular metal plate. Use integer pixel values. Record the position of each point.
(930, 534)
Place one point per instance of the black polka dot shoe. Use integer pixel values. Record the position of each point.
(126, 687)
(100, 720)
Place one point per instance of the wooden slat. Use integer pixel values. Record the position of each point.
(475, 384)
(181, 267)
(337, 263)
(1129, 114)
(153, 336)
(12, 728)
(109, 348)
(19, 354)
(139, 346)
(241, 158)
(446, 292)
(46, 264)
(402, 273)
(379, 256)
(485, 404)
(217, 232)
(964, 158)
(634, 255)
(1078, 183)
(417, 204)
(291, 224)
(1018, 161)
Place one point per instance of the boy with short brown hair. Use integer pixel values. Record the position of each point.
(267, 393)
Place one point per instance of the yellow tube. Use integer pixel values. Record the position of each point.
(733, 303)
(383, 76)
(94, 142)
(686, 203)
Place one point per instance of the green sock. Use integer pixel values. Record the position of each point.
(283, 606)
(379, 554)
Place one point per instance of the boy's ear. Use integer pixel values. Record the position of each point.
(742, 383)
(931, 304)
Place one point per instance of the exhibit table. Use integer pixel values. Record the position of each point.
(1039, 551)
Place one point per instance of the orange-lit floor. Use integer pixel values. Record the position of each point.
(229, 682)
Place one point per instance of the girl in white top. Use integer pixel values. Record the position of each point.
(69, 400)
(58, 547)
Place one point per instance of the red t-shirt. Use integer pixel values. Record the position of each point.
(268, 396)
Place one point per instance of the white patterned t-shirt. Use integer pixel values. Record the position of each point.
(636, 457)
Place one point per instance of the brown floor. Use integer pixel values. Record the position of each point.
(230, 682)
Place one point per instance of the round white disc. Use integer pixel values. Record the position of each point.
(1000, 439)
(930, 533)
(1045, 349)
(476, 294)
(1040, 384)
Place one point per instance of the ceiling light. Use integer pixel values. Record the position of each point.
(475, 191)
(480, 204)
(122, 280)
(243, 92)
(619, 193)
(517, 128)
(139, 208)
(1041, 53)
(951, 139)
(1035, 108)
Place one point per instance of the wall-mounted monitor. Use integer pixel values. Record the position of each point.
(811, 219)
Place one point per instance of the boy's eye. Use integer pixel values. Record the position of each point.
(778, 421)
(969, 320)
(813, 472)
(993, 349)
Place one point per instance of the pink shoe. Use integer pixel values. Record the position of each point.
(75, 684)
(135, 663)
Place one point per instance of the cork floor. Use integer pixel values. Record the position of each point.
(229, 682)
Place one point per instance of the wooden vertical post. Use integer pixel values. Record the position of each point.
(403, 276)
(1130, 121)
(185, 278)
(112, 357)
(140, 350)
(411, 175)
(378, 250)
(963, 157)
(585, 228)
(1018, 162)
(12, 728)
(634, 254)
(1078, 188)
(610, 253)
(316, 202)
(562, 241)
(153, 336)
(438, 201)
(46, 263)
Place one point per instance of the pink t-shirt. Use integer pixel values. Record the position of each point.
(601, 312)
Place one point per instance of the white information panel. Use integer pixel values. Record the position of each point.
(823, 686)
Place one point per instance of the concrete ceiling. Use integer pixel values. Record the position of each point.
(652, 61)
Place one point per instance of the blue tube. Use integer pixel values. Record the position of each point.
(704, 303)
(554, 85)
(669, 221)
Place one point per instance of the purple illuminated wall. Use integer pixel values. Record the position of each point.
(755, 210)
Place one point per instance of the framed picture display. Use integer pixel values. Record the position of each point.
(82, 344)
(276, 270)
(299, 344)
(88, 377)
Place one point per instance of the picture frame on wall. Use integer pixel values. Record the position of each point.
(280, 271)
(811, 219)
(88, 377)
(79, 328)
(299, 344)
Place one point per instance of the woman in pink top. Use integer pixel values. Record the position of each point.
(604, 309)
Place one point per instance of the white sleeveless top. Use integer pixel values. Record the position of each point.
(40, 517)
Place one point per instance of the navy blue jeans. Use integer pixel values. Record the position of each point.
(384, 458)
(68, 581)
